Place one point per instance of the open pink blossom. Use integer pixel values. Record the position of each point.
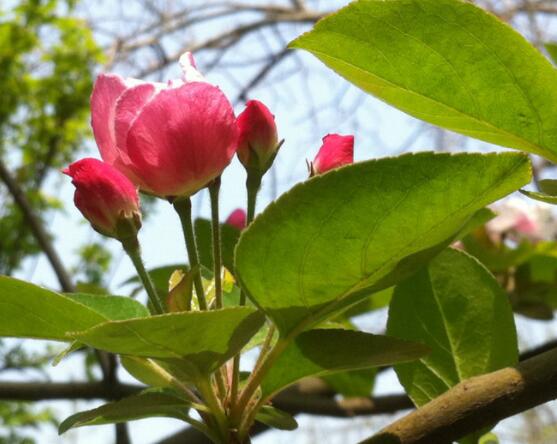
(106, 197)
(170, 139)
(237, 219)
(335, 152)
(258, 139)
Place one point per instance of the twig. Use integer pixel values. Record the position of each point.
(477, 403)
(37, 229)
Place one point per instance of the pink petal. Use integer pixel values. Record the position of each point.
(182, 139)
(189, 70)
(107, 89)
(238, 219)
(335, 152)
(128, 106)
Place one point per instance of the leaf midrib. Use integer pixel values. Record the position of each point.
(535, 148)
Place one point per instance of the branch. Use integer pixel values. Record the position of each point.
(41, 391)
(477, 403)
(36, 227)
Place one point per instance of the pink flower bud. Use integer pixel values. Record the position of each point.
(105, 197)
(335, 152)
(169, 139)
(237, 219)
(258, 139)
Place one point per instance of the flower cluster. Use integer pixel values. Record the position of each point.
(172, 139)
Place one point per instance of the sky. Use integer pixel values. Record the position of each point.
(337, 108)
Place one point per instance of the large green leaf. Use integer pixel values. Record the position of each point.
(447, 62)
(29, 311)
(551, 49)
(362, 228)
(112, 308)
(457, 308)
(323, 352)
(143, 405)
(200, 340)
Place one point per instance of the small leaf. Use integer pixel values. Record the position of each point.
(542, 197)
(147, 404)
(229, 239)
(200, 340)
(457, 308)
(354, 383)
(180, 291)
(144, 370)
(276, 418)
(322, 352)
(490, 438)
(447, 62)
(362, 228)
(548, 186)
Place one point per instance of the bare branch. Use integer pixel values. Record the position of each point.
(477, 403)
(36, 227)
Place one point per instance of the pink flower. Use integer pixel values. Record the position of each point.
(335, 152)
(169, 139)
(258, 139)
(237, 219)
(105, 197)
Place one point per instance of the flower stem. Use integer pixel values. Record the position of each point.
(253, 183)
(214, 189)
(131, 247)
(182, 205)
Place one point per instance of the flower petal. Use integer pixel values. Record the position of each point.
(182, 139)
(107, 89)
(189, 70)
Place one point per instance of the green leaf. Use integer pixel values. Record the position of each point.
(201, 340)
(29, 311)
(354, 383)
(490, 438)
(113, 308)
(160, 277)
(457, 308)
(551, 49)
(323, 352)
(548, 186)
(479, 218)
(374, 302)
(229, 239)
(276, 418)
(361, 228)
(542, 197)
(143, 405)
(447, 62)
(144, 370)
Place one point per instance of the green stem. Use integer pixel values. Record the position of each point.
(253, 183)
(214, 189)
(265, 347)
(241, 408)
(182, 205)
(131, 247)
(206, 389)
